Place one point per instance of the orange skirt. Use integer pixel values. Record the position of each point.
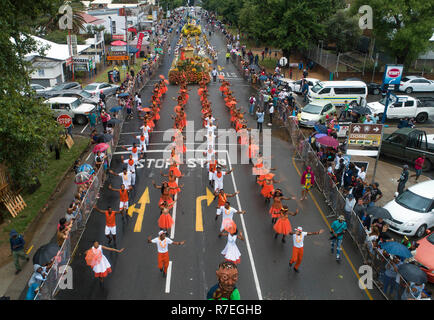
(176, 171)
(275, 212)
(169, 201)
(165, 221)
(173, 185)
(282, 226)
(267, 190)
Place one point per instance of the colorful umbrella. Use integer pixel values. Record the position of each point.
(397, 249)
(100, 147)
(320, 135)
(162, 77)
(116, 109)
(86, 168)
(145, 109)
(82, 177)
(328, 141)
(229, 225)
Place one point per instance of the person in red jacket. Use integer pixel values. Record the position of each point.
(418, 165)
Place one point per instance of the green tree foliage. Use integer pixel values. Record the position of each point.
(26, 124)
(343, 31)
(401, 27)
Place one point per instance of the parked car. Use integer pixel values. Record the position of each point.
(96, 87)
(413, 210)
(316, 111)
(409, 144)
(402, 107)
(71, 106)
(84, 96)
(53, 91)
(425, 255)
(415, 83)
(295, 85)
(38, 88)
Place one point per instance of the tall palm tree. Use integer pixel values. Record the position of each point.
(50, 22)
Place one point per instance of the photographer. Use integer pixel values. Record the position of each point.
(339, 227)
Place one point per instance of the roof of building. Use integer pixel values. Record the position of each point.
(91, 19)
(54, 50)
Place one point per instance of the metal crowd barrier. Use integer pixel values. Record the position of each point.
(53, 282)
(371, 256)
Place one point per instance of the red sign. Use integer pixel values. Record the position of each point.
(393, 73)
(64, 120)
(118, 37)
(139, 43)
(69, 61)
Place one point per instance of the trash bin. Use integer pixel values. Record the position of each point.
(110, 76)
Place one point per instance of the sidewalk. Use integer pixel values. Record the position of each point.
(13, 285)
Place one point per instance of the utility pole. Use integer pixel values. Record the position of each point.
(126, 37)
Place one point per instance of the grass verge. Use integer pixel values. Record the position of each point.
(49, 179)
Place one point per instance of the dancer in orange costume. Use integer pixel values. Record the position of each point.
(298, 246)
(283, 226)
(276, 207)
(268, 188)
(163, 253)
(174, 188)
(165, 221)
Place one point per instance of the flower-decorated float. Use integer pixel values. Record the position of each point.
(190, 63)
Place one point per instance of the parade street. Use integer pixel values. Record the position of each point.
(264, 272)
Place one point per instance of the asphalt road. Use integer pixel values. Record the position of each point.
(264, 271)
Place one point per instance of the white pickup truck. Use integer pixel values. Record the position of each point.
(402, 107)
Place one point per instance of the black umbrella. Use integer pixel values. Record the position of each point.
(361, 110)
(113, 121)
(379, 212)
(412, 273)
(106, 137)
(45, 254)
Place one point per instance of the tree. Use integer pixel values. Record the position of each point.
(343, 30)
(401, 27)
(26, 124)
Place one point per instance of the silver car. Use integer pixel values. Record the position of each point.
(95, 88)
(84, 96)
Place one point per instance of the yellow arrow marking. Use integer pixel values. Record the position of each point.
(209, 198)
(143, 201)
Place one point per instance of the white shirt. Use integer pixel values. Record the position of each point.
(209, 153)
(126, 179)
(298, 240)
(131, 168)
(209, 122)
(210, 139)
(228, 213)
(337, 159)
(210, 128)
(135, 154)
(362, 175)
(142, 142)
(145, 130)
(162, 245)
(217, 179)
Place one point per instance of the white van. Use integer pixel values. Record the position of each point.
(337, 92)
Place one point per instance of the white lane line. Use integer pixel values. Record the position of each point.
(172, 230)
(168, 277)
(88, 156)
(84, 128)
(249, 250)
(159, 151)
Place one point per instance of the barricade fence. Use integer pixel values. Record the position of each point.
(371, 255)
(57, 274)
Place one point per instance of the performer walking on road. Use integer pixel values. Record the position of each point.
(297, 249)
(163, 252)
(231, 252)
(99, 263)
(110, 223)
